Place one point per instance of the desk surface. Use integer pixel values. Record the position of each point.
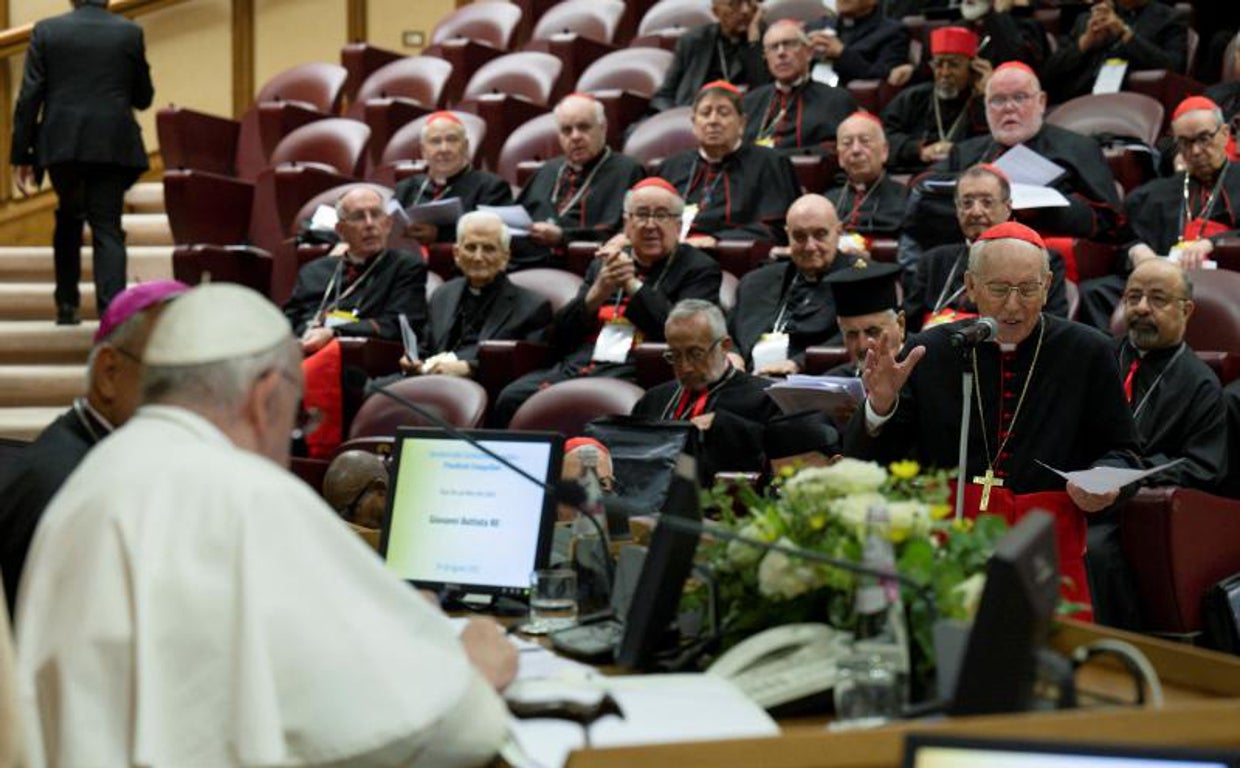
(1202, 691)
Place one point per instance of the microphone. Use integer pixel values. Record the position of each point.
(984, 329)
(567, 492)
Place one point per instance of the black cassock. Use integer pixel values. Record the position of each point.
(803, 116)
(392, 282)
(473, 187)
(743, 196)
(587, 204)
(937, 283)
(1227, 97)
(878, 210)
(1074, 415)
(1177, 405)
(911, 123)
(460, 318)
(873, 46)
(1093, 205)
(778, 297)
(734, 441)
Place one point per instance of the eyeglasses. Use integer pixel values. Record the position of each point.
(1157, 301)
(1025, 291)
(986, 203)
(658, 217)
(783, 45)
(1185, 143)
(373, 214)
(1017, 99)
(693, 355)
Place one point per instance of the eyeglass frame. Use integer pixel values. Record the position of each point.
(656, 217)
(693, 356)
(1026, 291)
(1157, 302)
(1185, 143)
(1016, 99)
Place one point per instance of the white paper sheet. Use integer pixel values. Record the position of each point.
(324, 218)
(1025, 196)
(437, 212)
(515, 216)
(1024, 166)
(816, 393)
(408, 337)
(1110, 77)
(1107, 479)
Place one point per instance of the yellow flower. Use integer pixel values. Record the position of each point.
(964, 524)
(817, 521)
(940, 511)
(787, 471)
(904, 470)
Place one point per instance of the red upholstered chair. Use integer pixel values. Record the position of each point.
(652, 369)
(1226, 365)
(866, 94)
(1165, 86)
(502, 362)
(460, 402)
(398, 94)
(661, 136)
(884, 249)
(251, 267)
(568, 406)
(1117, 115)
(1215, 324)
(557, 286)
(509, 91)
(1226, 253)
(674, 16)
(577, 32)
(740, 256)
(815, 172)
(293, 98)
(359, 61)
(1178, 542)
(403, 151)
(471, 36)
(624, 81)
(799, 10)
(819, 360)
(527, 148)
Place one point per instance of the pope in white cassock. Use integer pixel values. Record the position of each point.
(187, 601)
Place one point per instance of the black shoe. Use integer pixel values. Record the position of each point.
(67, 314)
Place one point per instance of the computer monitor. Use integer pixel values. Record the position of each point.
(664, 572)
(934, 751)
(460, 522)
(1000, 664)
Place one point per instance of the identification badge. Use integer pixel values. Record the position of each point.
(615, 339)
(339, 317)
(771, 349)
(765, 141)
(825, 73)
(1176, 256)
(1111, 76)
(686, 219)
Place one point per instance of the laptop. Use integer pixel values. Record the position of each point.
(463, 524)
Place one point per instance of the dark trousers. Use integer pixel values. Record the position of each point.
(93, 192)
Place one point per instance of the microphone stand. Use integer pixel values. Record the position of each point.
(452, 431)
(966, 412)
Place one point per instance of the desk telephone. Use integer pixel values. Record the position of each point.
(784, 664)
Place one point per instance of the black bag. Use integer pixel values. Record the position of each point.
(643, 455)
(1220, 615)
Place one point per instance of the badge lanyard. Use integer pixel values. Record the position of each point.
(1186, 211)
(943, 299)
(342, 295)
(705, 196)
(1145, 398)
(559, 176)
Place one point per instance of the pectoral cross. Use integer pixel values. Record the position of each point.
(987, 481)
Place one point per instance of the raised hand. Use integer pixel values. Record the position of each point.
(883, 375)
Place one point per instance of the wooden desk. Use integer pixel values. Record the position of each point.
(1202, 690)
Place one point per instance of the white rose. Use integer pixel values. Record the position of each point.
(853, 511)
(741, 555)
(970, 592)
(779, 577)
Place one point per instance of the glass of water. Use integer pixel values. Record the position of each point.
(868, 691)
(553, 600)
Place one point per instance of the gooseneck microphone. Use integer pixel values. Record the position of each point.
(567, 492)
(984, 329)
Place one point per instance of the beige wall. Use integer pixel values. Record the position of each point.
(387, 21)
(291, 32)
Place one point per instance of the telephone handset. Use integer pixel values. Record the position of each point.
(784, 664)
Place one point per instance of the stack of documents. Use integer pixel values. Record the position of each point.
(1031, 176)
(799, 392)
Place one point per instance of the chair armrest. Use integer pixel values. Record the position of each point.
(239, 264)
(1178, 542)
(740, 256)
(502, 362)
(377, 357)
(819, 360)
(277, 119)
(206, 207)
(189, 139)
(652, 369)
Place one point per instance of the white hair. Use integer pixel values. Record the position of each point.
(977, 253)
(483, 217)
(600, 116)
(383, 194)
(687, 309)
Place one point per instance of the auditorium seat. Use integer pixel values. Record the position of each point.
(1226, 365)
(509, 91)
(1226, 253)
(798, 10)
(661, 136)
(1215, 324)
(1116, 120)
(398, 94)
(816, 172)
(884, 249)
(471, 36)
(566, 407)
(740, 256)
(819, 360)
(667, 20)
(502, 362)
(1178, 542)
(460, 402)
(1084, 259)
(527, 148)
(577, 32)
(360, 60)
(652, 369)
(1164, 86)
(624, 81)
(557, 286)
(401, 155)
(244, 265)
(198, 141)
(374, 358)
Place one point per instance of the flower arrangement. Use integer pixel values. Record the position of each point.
(827, 509)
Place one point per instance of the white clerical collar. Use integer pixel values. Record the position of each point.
(95, 414)
(709, 159)
(800, 81)
(1007, 346)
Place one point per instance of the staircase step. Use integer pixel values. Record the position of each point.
(41, 385)
(141, 229)
(147, 197)
(41, 342)
(27, 423)
(33, 301)
(34, 264)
